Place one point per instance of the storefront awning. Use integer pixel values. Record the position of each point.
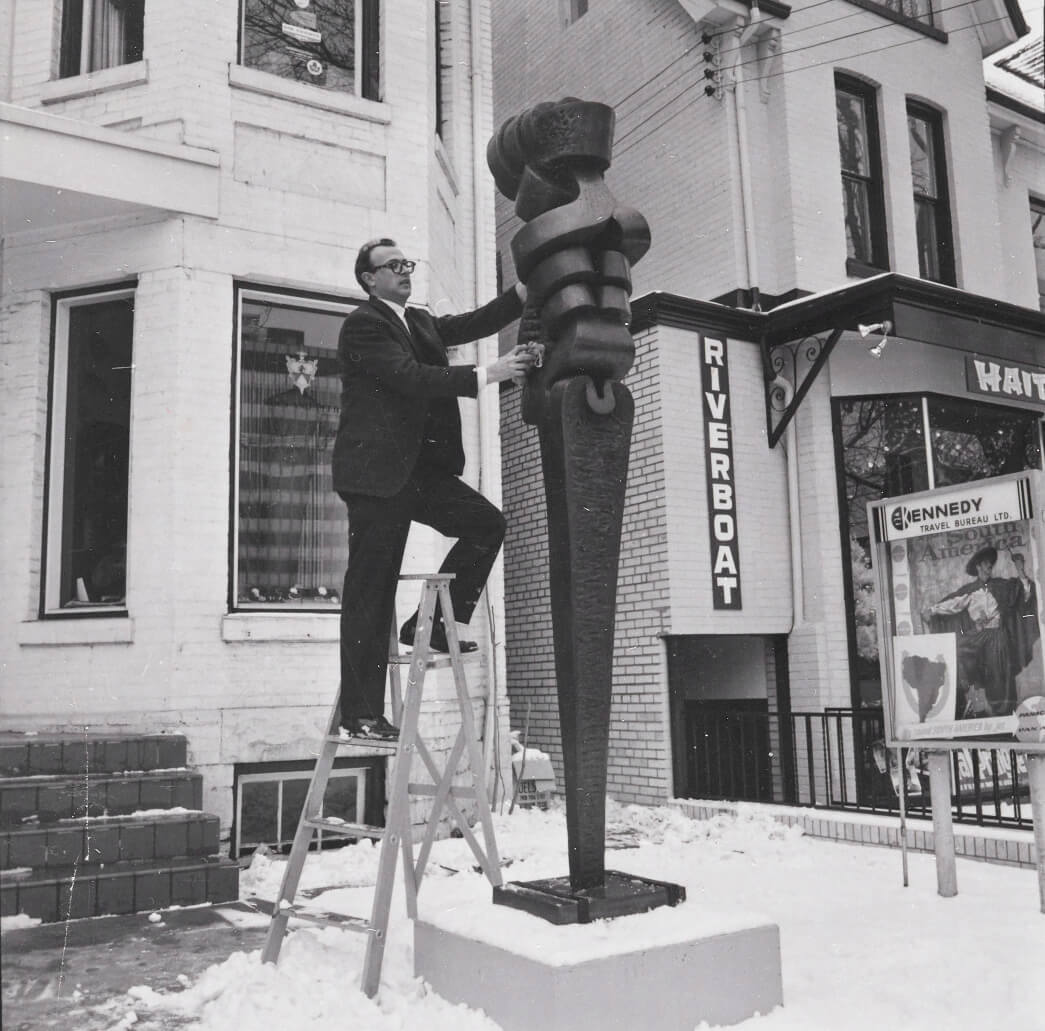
(798, 337)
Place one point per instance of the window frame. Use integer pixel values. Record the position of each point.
(925, 400)
(368, 772)
(873, 183)
(76, 24)
(1037, 230)
(53, 519)
(940, 203)
(366, 48)
(882, 8)
(443, 70)
(286, 298)
(572, 11)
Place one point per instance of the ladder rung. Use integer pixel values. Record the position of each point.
(430, 789)
(434, 662)
(375, 744)
(342, 920)
(348, 830)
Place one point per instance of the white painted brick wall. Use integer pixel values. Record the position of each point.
(675, 152)
(249, 701)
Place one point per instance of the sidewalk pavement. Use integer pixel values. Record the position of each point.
(60, 976)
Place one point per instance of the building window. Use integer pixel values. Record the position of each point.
(883, 452)
(269, 798)
(333, 44)
(290, 528)
(863, 197)
(86, 529)
(100, 34)
(444, 68)
(919, 11)
(1037, 229)
(572, 10)
(931, 204)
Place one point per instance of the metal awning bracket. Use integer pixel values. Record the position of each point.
(791, 368)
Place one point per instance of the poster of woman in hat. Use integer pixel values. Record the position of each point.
(992, 618)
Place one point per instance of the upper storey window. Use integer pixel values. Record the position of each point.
(333, 44)
(920, 11)
(932, 210)
(572, 10)
(1037, 228)
(863, 197)
(99, 34)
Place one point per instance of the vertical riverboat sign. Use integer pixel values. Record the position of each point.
(720, 474)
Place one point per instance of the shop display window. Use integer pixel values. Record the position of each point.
(899, 445)
(290, 528)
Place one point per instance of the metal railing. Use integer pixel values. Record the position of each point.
(837, 759)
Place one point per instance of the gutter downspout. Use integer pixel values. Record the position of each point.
(744, 36)
(488, 404)
(794, 511)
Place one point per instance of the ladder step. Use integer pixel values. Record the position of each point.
(434, 661)
(348, 830)
(379, 746)
(347, 923)
(430, 789)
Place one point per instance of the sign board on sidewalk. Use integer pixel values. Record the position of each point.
(958, 577)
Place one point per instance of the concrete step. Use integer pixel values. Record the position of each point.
(133, 886)
(54, 797)
(143, 836)
(27, 754)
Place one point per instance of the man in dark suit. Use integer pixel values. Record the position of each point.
(398, 458)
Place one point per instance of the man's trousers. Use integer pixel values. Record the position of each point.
(377, 533)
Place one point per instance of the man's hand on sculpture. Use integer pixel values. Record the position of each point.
(514, 366)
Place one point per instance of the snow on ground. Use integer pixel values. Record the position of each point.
(859, 951)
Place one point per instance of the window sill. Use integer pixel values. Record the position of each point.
(78, 630)
(77, 86)
(302, 93)
(861, 270)
(302, 627)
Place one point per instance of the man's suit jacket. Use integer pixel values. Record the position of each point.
(393, 379)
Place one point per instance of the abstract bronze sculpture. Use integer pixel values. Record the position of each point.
(574, 253)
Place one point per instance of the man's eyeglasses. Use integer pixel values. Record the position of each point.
(398, 265)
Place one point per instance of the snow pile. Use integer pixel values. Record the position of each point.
(859, 951)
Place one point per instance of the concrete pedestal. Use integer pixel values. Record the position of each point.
(599, 981)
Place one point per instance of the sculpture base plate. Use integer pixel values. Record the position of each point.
(621, 894)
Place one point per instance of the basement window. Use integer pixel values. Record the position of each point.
(269, 798)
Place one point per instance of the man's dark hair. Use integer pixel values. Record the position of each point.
(363, 257)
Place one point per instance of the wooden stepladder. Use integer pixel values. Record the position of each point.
(396, 836)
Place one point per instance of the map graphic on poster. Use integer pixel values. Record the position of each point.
(958, 578)
(924, 669)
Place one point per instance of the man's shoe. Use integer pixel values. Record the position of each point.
(377, 729)
(438, 641)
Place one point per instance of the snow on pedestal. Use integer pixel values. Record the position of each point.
(669, 969)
